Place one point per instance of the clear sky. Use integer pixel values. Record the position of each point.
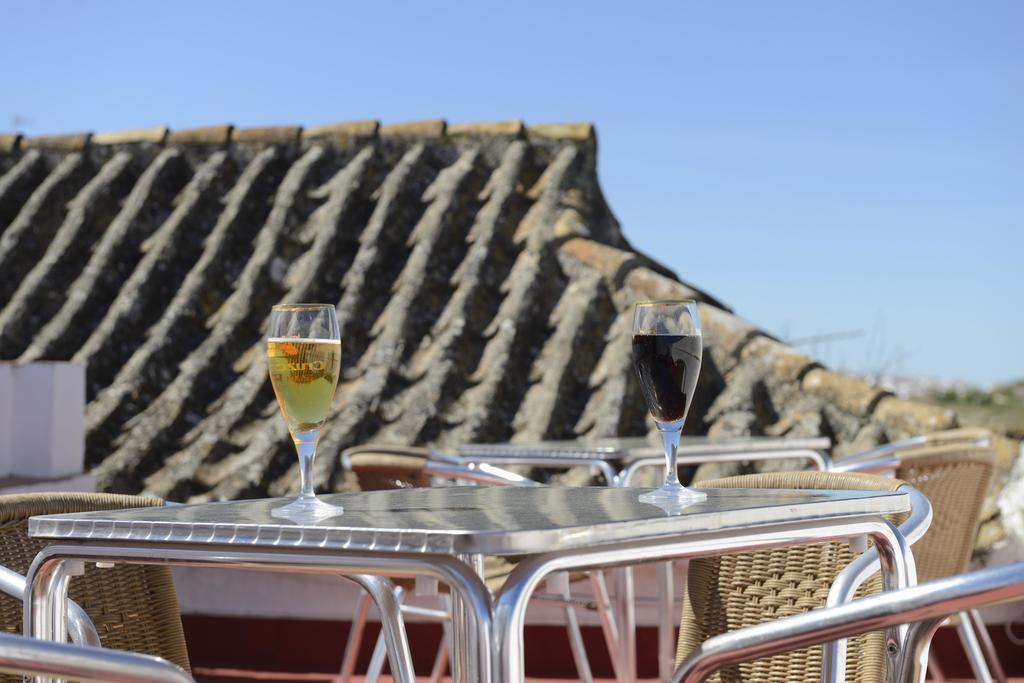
(820, 166)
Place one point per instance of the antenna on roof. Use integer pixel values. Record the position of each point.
(830, 337)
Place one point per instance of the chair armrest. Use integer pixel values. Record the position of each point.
(80, 626)
(478, 473)
(878, 465)
(925, 606)
(26, 656)
(884, 449)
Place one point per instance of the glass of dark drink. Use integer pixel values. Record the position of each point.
(667, 349)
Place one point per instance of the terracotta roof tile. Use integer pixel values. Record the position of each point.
(343, 132)
(204, 135)
(561, 131)
(156, 134)
(787, 364)
(903, 419)
(607, 260)
(512, 128)
(73, 142)
(430, 128)
(848, 393)
(9, 142)
(267, 135)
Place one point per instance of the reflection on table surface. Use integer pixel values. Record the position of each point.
(466, 519)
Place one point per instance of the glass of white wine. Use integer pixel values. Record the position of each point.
(304, 358)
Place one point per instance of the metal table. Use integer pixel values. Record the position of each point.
(620, 458)
(444, 533)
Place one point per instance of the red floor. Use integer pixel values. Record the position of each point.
(238, 676)
(228, 650)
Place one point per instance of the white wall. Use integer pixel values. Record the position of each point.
(42, 419)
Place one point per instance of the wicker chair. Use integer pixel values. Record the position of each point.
(954, 472)
(733, 591)
(134, 608)
(956, 479)
(920, 608)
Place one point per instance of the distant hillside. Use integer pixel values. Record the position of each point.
(1000, 408)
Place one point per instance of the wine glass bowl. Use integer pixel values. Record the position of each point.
(667, 349)
(304, 360)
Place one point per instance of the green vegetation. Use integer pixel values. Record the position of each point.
(1000, 409)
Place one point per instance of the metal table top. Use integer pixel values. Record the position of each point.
(633, 448)
(462, 519)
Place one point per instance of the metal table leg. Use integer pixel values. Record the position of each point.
(44, 615)
(47, 582)
(461, 662)
(609, 624)
(392, 625)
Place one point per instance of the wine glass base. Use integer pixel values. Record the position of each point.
(673, 499)
(307, 510)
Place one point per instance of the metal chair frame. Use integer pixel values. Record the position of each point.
(919, 609)
(80, 627)
(29, 657)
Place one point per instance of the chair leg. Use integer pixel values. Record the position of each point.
(994, 665)
(607, 616)
(559, 584)
(440, 662)
(376, 661)
(666, 622)
(355, 638)
(625, 609)
(973, 649)
(444, 649)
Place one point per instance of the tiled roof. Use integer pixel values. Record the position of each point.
(484, 290)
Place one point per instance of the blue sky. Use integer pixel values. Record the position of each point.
(821, 167)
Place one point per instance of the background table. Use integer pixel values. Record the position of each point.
(618, 459)
(445, 532)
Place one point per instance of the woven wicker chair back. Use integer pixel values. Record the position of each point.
(379, 468)
(134, 608)
(956, 479)
(734, 591)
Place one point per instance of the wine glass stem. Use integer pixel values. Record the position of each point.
(305, 444)
(670, 433)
